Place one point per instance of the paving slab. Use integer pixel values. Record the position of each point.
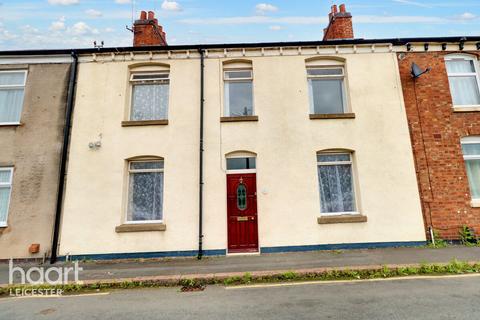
(115, 269)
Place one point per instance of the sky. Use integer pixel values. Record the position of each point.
(47, 24)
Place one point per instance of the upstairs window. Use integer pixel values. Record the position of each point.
(327, 90)
(145, 191)
(5, 191)
(12, 87)
(335, 177)
(150, 95)
(471, 155)
(238, 92)
(463, 79)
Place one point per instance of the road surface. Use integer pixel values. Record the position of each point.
(444, 298)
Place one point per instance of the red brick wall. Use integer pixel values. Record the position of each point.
(339, 28)
(435, 131)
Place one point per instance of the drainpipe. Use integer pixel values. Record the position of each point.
(200, 199)
(63, 159)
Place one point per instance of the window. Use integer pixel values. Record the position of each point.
(241, 197)
(327, 90)
(471, 154)
(145, 191)
(463, 78)
(337, 195)
(5, 191)
(238, 93)
(241, 163)
(150, 95)
(12, 87)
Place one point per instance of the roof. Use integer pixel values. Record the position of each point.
(393, 41)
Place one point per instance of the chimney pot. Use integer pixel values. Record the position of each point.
(342, 8)
(143, 15)
(151, 15)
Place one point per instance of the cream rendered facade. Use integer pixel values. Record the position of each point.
(284, 139)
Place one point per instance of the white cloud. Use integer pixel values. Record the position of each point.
(263, 8)
(58, 25)
(302, 20)
(412, 3)
(466, 16)
(63, 2)
(109, 29)
(275, 28)
(81, 28)
(93, 13)
(171, 6)
(29, 29)
(123, 1)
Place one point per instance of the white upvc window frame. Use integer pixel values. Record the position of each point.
(453, 57)
(227, 81)
(341, 77)
(16, 86)
(475, 202)
(9, 186)
(152, 81)
(352, 170)
(129, 172)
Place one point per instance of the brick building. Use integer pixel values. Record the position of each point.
(442, 108)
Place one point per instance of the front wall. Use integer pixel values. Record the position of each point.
(34, 151)
(436, 133)
(284, 139)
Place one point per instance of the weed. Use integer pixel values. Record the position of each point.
(467, 236)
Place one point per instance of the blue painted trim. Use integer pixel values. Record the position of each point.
(144, 255)
(223, 252)
(344, 246)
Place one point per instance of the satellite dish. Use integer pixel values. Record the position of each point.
(417, 71)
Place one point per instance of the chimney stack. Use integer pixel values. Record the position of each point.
(339, 24)
(147, 32)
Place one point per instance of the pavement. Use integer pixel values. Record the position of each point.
(407, 299)
(267, 263)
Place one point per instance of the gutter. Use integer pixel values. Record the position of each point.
(200, 192)
(63, 160)
(393, 41)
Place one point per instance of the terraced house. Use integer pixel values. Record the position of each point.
(239, 148)
(33, 99)
(157, 150)
(443, 108)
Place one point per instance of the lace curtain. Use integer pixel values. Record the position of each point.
(150, 102)
(145, 196)
(336, 187)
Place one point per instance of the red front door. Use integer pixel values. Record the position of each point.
(242, 212)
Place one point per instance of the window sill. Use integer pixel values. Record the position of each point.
(239, 119)
(11, 124)
(139, 123)
(475, 203)
(473, 108)
(332, 116)
(345, 218)
(140, 227)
